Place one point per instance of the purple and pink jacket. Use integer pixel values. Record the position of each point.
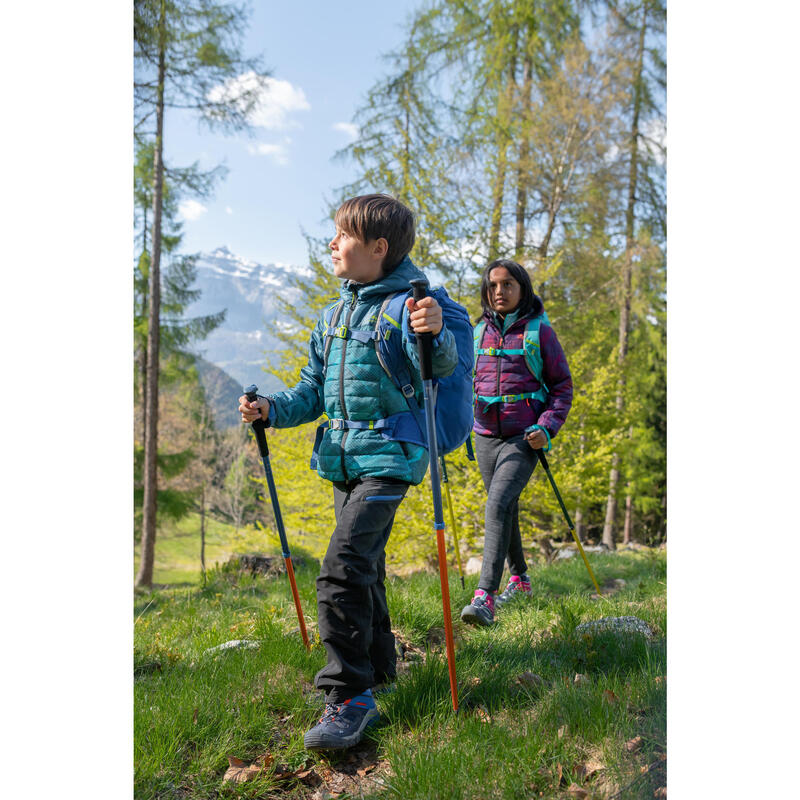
(510, 375)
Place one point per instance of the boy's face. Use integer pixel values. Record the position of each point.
(357, 261)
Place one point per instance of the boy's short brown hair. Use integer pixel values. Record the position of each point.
(372, 216)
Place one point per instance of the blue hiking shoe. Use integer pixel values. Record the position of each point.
(518, 588)
(343, 724)
(481, 610)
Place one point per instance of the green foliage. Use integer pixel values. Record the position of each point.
(200, 41)
(506, 124)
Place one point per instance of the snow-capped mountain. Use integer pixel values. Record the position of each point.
(255, 296)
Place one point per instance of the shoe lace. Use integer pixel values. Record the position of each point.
(331, 710)
(483, 600)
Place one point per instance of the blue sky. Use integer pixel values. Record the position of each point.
(325, 57)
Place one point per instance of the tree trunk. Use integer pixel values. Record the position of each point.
(522, 164)
(627, 273)
(498, 191)
(145, 574)
(580, 528)
(627, 531)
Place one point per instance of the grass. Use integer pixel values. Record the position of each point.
(515, 735)
(177, 553)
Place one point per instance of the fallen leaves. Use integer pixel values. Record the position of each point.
(239, 772)
(660, 792)
(588, 768)
(634, 745)
(576, 791)
(580, 679)
(610, 696)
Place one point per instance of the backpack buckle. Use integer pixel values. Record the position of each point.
(407, 390)
(340, 332)
(336, 424)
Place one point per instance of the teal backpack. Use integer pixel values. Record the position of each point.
(533, 359)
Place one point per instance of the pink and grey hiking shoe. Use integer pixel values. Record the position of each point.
(518, 588)
(481, 610)
(343, 724)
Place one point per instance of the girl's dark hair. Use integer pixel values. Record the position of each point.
(528, 301)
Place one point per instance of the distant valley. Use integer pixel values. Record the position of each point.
(236, 353)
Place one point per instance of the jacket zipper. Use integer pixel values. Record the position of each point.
(499, 359)
(341, 381)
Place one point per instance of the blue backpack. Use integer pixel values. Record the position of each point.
(454, 416)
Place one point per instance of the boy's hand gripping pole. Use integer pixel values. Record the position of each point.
(263, 449)
(425, 351)
(546, 466)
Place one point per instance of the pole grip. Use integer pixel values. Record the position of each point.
(258, 424)
(424, 340)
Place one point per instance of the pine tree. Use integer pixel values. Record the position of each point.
(187, 54)
(638, 23)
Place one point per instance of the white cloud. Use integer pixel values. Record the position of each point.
(228, 210)
(655, 133)
(346, 127)
(277, 152)
(275, 99)
(191, 209)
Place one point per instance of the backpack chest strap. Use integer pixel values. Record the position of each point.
(499, 352)
(343, 332)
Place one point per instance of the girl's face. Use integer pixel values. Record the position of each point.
(505, 292)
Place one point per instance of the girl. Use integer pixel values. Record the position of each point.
(515, 414)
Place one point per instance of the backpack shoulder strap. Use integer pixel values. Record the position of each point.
(330, 317)
(533, 351)
(389, 348)
(477, 335)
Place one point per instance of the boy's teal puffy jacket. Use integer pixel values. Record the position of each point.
(356, 387)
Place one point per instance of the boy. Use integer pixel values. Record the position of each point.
(370, 472)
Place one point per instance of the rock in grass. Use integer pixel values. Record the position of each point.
(624, 625)
(473, 565)
(233, 644)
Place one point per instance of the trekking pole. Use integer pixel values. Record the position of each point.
(424, 350)
(261, 438)
(452, 521)
(546, 466)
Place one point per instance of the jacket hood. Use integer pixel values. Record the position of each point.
(396, 281)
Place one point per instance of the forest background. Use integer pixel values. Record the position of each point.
(528, 130)
(733, 163)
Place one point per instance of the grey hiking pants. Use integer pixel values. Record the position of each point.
(506, 467)
(353, 617)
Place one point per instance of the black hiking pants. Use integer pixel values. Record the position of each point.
(353, 616)
(506, 466)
